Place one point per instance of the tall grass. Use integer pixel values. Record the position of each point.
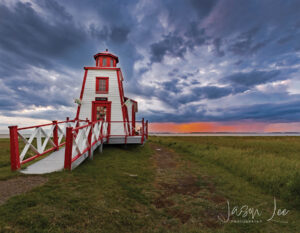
(272, 163)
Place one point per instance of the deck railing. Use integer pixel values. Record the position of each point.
(129, 128)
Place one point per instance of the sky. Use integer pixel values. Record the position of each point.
(192, 65)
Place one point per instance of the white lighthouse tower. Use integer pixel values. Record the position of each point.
(102, 97)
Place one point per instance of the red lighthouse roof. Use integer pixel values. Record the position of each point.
(106, 54)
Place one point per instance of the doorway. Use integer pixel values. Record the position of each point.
(101, 110)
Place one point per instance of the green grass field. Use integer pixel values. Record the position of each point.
(172, 184)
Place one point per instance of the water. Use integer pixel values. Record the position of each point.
(226, 134)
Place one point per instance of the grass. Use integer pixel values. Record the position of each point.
(5, 172)
(116, 191)
(271, 163)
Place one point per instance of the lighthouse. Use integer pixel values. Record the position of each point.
(102, 97)
(104, 116)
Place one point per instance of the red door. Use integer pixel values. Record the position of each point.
(102, 110)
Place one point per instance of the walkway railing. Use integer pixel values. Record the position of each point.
(80, 138)
(38, 140)
(81, 142)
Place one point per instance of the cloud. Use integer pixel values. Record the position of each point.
(212, 92)
(250, 79)
(245, 43)
(217, 42)
(32, 39)
(281, 112)
(116, 34)
(203, 7)
(170, 45)
(271, 112)
(176, 45)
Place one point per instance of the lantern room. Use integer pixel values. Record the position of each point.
(106, 59)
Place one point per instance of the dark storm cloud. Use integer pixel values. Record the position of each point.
(115, 34)
(171, 92)
(54, 8)
(188, 33)
(272, 112)
(203, 7)
(212, 92)
(281, 112)
(171, 86)
(245, 43)
(200, 93)
(190, 114)
(171, 45)
(252, 78)
(217, 42)
(29, 38)
(176, 45)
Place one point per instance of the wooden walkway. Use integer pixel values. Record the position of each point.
(52, 163)
(55, 161)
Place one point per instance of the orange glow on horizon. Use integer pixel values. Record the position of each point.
(213, 127)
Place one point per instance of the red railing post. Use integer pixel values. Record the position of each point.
(101, 132)
(142, 140)
(108, 131)
(68, 148)
(55, 134)
(67, 119)
(90, 139)
(14, 148)
(147, 129)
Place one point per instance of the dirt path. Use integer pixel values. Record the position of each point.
(179, 189)
(19, 185)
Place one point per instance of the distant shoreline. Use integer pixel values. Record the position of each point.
(206, 134)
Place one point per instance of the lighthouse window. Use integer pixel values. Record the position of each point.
(101, 85)
(104, 62)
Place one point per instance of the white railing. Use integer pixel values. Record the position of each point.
(80, 141)
(80, 137)
(38, 140)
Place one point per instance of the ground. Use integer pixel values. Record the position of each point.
(172, 184)
(19, 185)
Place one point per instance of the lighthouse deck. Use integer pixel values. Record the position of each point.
(126, 140)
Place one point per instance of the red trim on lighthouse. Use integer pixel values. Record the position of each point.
(81, 93)
(106, 54)
(133, 120)
(121, 97)
(101, 68)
